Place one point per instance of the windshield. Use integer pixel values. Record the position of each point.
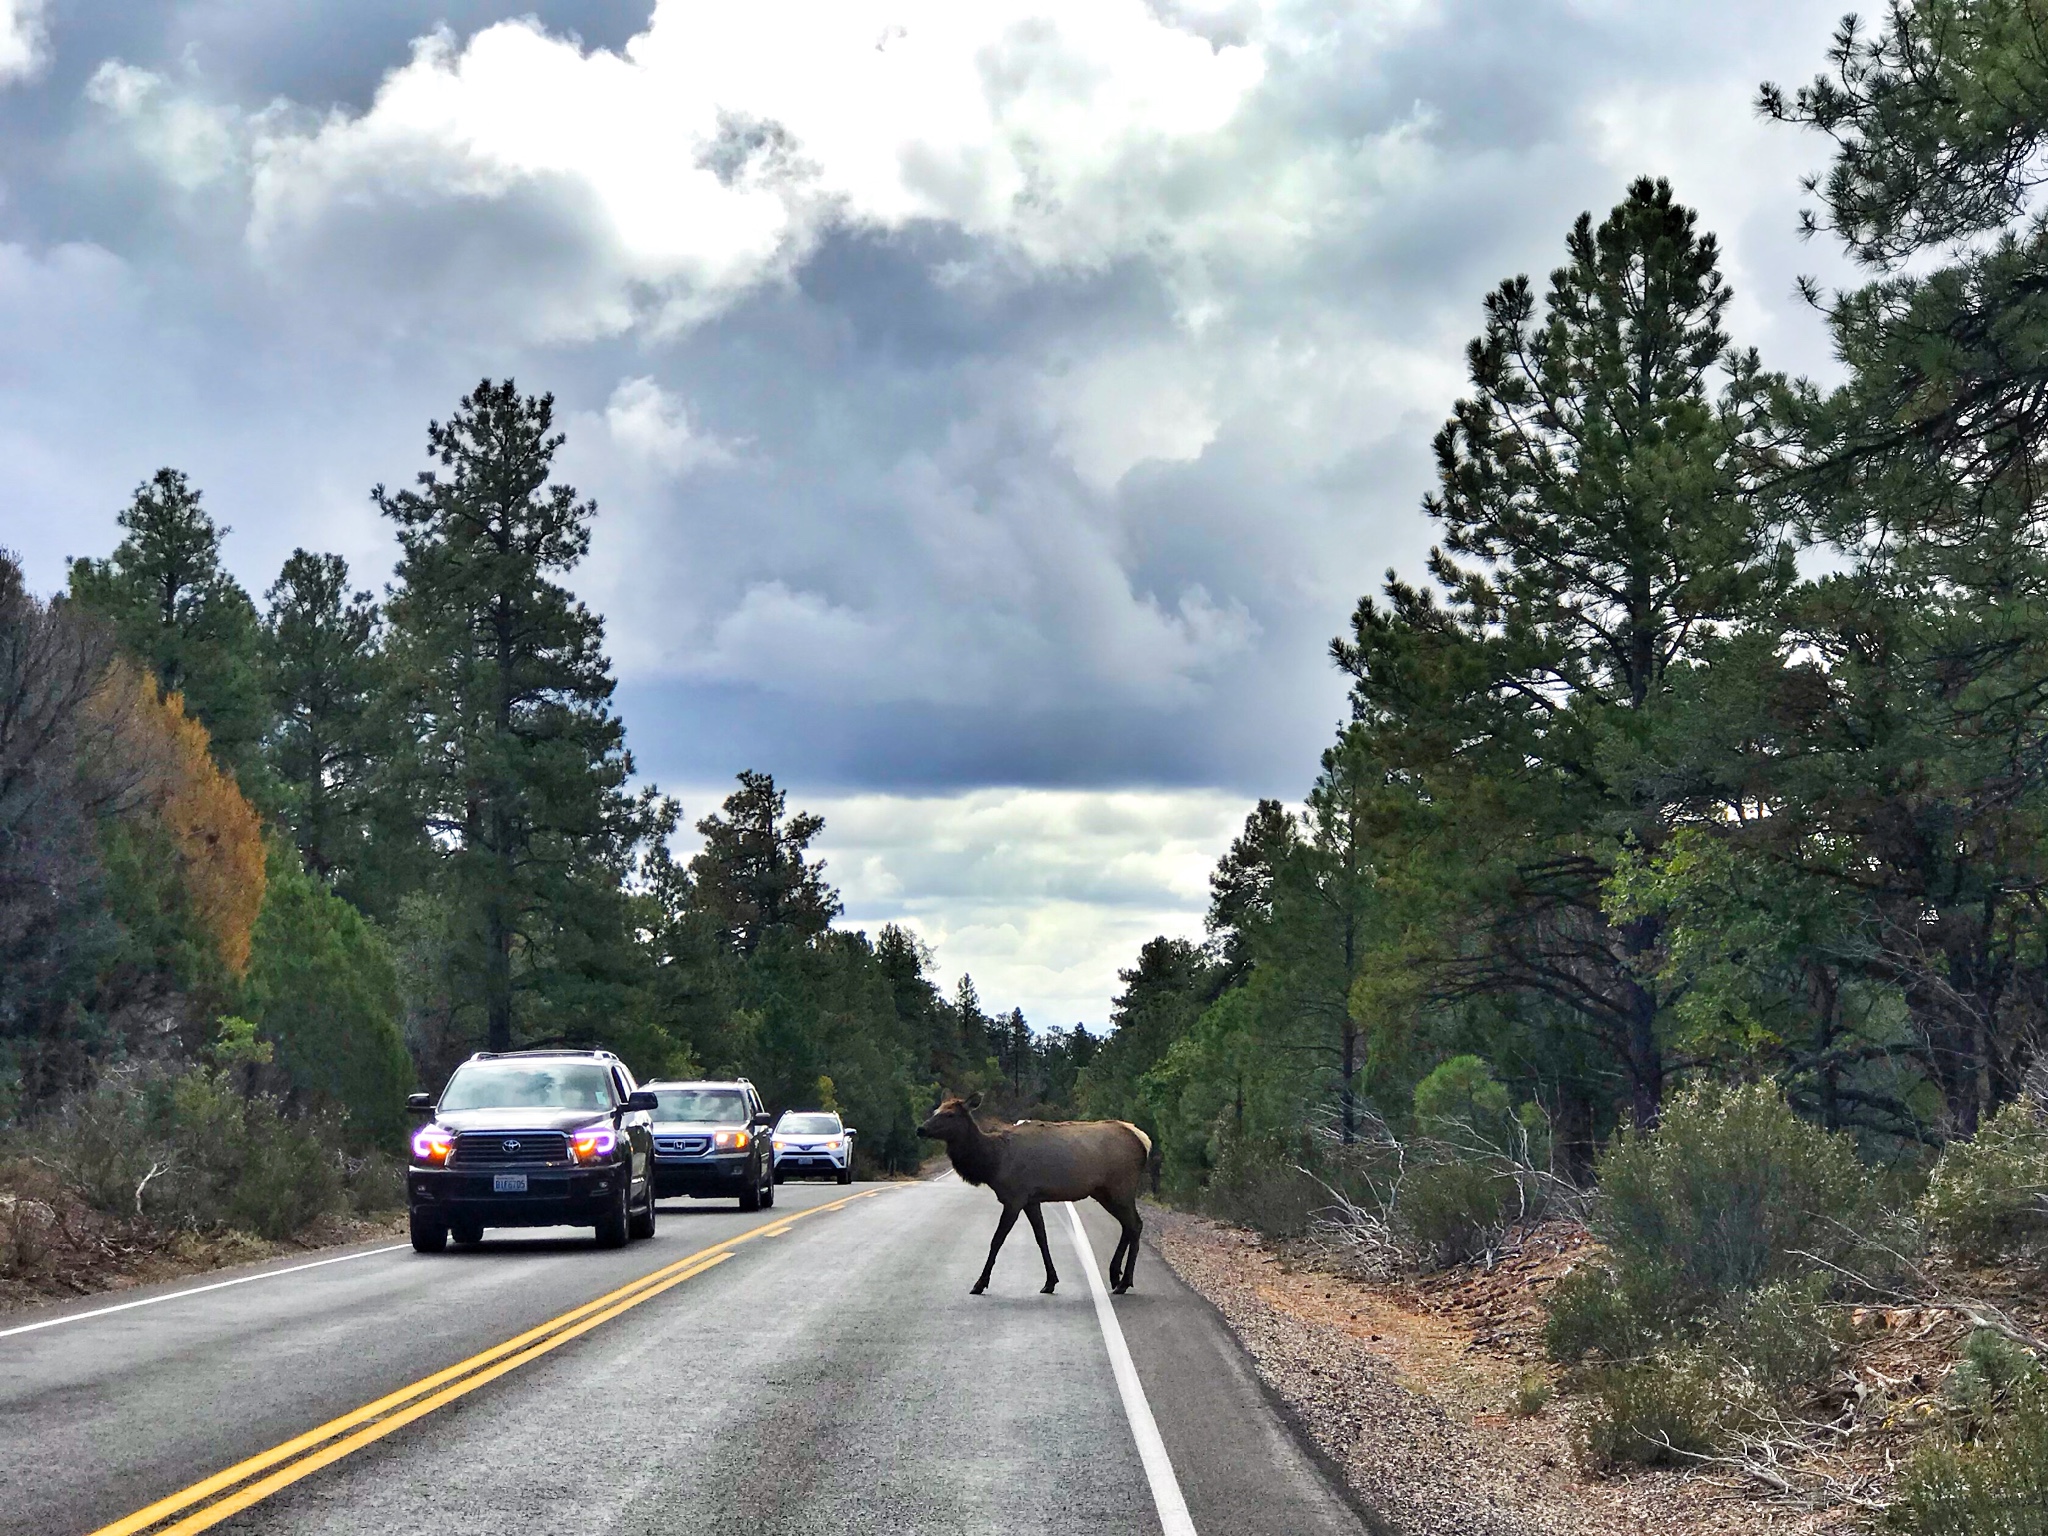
(722, 1106)
(528, 1085)
(809, 1125)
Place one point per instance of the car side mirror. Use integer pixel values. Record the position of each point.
(763, 1122)
(423, 1102)
(847, 1130)
(635, 1102)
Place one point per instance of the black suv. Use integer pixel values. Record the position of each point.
(533, 1139)
(711, 1138)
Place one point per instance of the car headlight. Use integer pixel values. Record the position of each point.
(834, 1144)
(594, 1144)
(433, 1145)
(777, 1143)
(730, 1141)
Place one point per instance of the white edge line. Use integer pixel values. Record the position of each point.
(1173, 1509)
(218, 1285)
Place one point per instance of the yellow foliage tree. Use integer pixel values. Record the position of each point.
(217, 834)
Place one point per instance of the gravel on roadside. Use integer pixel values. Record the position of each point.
(1416, 1413)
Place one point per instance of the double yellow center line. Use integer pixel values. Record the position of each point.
(226, 1493)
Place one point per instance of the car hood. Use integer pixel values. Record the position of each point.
(522, 1119)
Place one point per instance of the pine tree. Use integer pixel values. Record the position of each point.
(1922, 779)
(1603, 532)
(514, 759)
(325, 673)
(752, 877)
(173, 605)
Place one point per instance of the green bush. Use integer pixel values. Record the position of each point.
(1658, 1413)
(1462, 1092)
(1993, 1373)
(1590, 1315)
(1787, 1336)
(1997, 1486)
(1988, 1198)
(186, 1149)
(1724, 1197)
(1454, 1211)
(1265, 1186)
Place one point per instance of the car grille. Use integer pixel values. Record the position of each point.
(682, 1146)
(510, 1149)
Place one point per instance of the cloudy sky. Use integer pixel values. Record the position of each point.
(994, 407)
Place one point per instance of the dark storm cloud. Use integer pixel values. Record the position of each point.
(931, 510)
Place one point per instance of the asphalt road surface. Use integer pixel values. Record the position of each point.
(818, 1368)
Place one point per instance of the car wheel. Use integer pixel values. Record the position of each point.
(768, 1195)
(613, 1230)
(779, 1175)
(750, 1197)
(643, 1224)
(429, 1233)
(467, 1234)
(846, 1174)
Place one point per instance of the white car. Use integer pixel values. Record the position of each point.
(812, 1143)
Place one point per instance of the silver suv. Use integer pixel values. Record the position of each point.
(812, 1142)
(710, 1140)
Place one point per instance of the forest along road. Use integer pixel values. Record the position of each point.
(818, 1367)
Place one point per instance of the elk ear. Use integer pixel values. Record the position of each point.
(974, 1100)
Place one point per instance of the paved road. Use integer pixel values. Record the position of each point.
(815, 1368)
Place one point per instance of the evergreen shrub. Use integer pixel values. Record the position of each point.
(1991, 1477)
(1727, 1195)
(188, 1149)
(1988, 1197)
(1454, 1211)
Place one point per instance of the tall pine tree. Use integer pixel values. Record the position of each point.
(324, 668)
(174, 605)
(514, 759)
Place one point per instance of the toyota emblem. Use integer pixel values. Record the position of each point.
(511, 1146)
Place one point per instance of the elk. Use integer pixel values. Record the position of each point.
(1038, 1160)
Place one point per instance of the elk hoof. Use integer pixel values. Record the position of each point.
(979, 1287)
(1046, 1289)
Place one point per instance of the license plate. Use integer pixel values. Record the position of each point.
(508, 1183)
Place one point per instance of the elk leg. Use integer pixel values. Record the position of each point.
(1133, 1225)
(1044, 1249)
(1125, 1260)
(995, 1247)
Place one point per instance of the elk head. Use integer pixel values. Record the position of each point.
(953, 1117)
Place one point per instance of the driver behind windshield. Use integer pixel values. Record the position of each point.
(513, 1085)
(701, 1106)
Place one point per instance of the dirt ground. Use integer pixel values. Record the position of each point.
(1434, 1396)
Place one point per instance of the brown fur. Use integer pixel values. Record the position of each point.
(1038, 1160)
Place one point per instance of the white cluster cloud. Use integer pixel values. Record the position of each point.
(22, 50)
(706, 156)
(651, 426)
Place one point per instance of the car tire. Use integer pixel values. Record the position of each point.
(642, 1225)
(614, 1230)
(750, 1198)
(768, 1196)
(467, 1234)
(846, 1174)
(779, 1175)
(429, 1233)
